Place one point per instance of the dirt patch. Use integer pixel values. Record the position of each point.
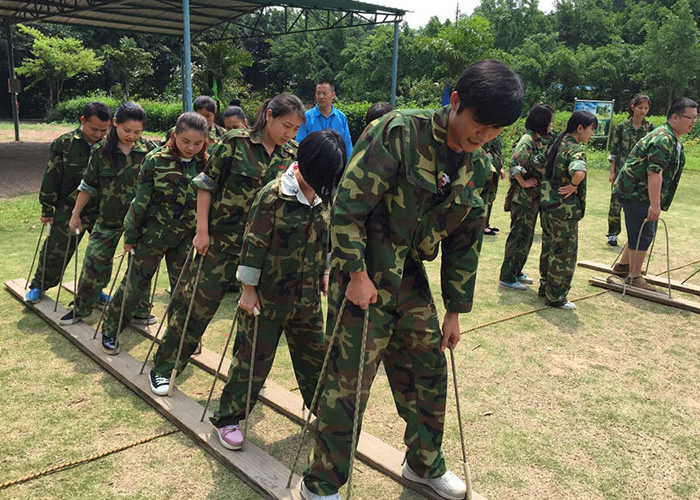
(22, 163)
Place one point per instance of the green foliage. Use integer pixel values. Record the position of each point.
(355, 114)
(132, 62)
(55, 60)
(161, 115)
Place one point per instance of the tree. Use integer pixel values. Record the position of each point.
(56, 60)
(512, 21)
(132, 61)
(219, 62)
(670, 57)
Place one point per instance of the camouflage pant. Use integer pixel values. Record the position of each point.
(218, 276)
(522, 229)
(406, 333)
(304, 332)
(558, 258)
(146, 260)
(97, 270)
(614, 219)
(55, 249)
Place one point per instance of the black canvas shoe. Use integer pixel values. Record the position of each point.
(69, 318)
(159, 385)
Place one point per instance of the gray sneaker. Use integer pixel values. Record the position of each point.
(512, 286)
(307, 494)
(150, 320)
(447, 486)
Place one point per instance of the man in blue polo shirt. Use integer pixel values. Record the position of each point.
(325, 115)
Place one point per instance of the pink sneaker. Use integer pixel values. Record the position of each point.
(230, 436)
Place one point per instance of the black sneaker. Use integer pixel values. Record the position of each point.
(110, 345)
(159, 385)
(69, 318)
(612, 240)
(144, 320)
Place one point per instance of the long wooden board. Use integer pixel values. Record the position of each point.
(258, 469)
(654, 280)
(658, 297)
(370, 449)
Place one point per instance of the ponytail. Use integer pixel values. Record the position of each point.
(583, 118)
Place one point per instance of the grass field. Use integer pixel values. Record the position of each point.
(600, 403)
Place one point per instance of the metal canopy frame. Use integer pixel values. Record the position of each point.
(195, 19)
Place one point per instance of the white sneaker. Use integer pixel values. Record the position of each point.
(159, 385)
(307, 494)
(568, 306)
(516, 285)
(447, 486)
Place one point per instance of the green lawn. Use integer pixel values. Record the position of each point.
(600, 403)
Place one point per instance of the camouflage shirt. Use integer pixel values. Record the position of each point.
(163, 210)
(483, 160)
(237, 169)
(659, 151)
(624, 139)
(494, 149)
(114, 186)
(387, 207)
(570, 159)
(528, 160)
(216, 132)
(64, 170)
(285, 247)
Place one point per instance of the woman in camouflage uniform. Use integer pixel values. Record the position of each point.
(205, 106)
(523, 198)
(161, 218)
(627, 134)
(110, 178)
(283, 273)
(563, 202)
(241, 163)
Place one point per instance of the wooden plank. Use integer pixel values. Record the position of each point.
(654, 280)
(657, 297)
(261, 471)
(370, 449)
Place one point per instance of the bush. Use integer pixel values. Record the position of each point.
(355, 114)
(161, 115)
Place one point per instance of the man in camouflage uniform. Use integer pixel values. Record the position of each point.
(113, 186)
(494, 151)
(283, 273)
(160, 223)
(647, 184)
(59, 189)
(409, 187)
(238, 168)
(624, 139)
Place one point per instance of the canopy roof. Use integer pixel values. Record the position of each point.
(166, 17)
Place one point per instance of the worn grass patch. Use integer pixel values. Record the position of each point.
(599, 403)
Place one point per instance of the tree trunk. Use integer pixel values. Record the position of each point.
(127, 94)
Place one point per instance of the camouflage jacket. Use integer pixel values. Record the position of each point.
(114, 186)
(548, 139)
(64, 170)
(216, 132)
(284, 248)
(237, 169)
(659, 151)
(494, 149)
(528, 160)
(570, 159)
(163, 210)
(624, 139)
(483, 160)
(386, 207)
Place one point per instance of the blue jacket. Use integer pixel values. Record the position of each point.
(315, 121)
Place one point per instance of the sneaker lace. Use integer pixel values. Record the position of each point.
(159, 379)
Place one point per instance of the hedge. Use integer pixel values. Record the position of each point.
(161, 115)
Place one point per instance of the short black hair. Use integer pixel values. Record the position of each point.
(376, 110)
(321, 158)
(98, 109)
(204, 102)
(327, 82)
(539, 118)
(492, 91)
(679, 105)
